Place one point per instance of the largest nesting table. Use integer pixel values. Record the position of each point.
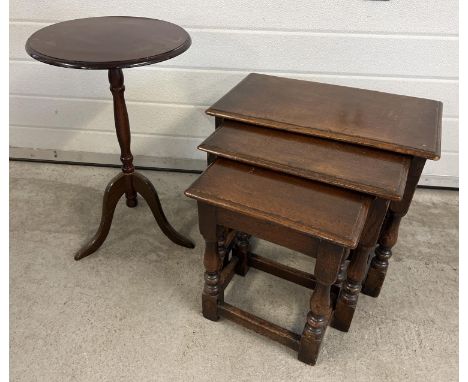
(112, 44)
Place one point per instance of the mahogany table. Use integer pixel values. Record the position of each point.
(114, 43)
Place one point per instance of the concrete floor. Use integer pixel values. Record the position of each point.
(131, 312)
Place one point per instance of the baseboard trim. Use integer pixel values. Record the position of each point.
(105, 160)
(163, 164)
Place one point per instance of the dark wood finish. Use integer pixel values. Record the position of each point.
(114, 191)
(402, 124)
(389, 233)
(357, 269)
(312, 158)
(274, 268)
(285, 272)
(209, 156)
(241, 251)
(342, 274)
(114, 43)
(213, 290)
(365, 141)
(131, 182)
(228, 272)
(108, 42)
(226, 242)
(221, 208)
(259, 325)
(313, 208)
(146, 189)
(230, 239)
(122, 129)
(327, 267)
(273, 232)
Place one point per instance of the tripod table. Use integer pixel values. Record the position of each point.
(114, 43)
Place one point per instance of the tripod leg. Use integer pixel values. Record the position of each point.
(114, 191)
(144, 187)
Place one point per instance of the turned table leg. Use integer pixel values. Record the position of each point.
(383, 252)
(327, 267)
(212, 290)
(241, 249)
(222, 250)
(128, 182)
(349, 292)
(341, 277)
(356, 272)
(389, 233)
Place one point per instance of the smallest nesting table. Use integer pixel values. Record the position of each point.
(114, 43)
(316, 219)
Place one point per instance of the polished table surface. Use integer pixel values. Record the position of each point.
(401, 124)
(313, 208)
(364, 169)
(108, 42)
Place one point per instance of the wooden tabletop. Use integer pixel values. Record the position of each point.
(313, 208)
(401, 124)
(364, 169)
(108, 42)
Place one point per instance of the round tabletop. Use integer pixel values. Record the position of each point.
(108, 42)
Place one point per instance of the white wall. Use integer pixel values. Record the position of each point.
(402, 46)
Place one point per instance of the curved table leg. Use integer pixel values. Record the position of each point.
(114, 191)
(146, 189)
(128, 182)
